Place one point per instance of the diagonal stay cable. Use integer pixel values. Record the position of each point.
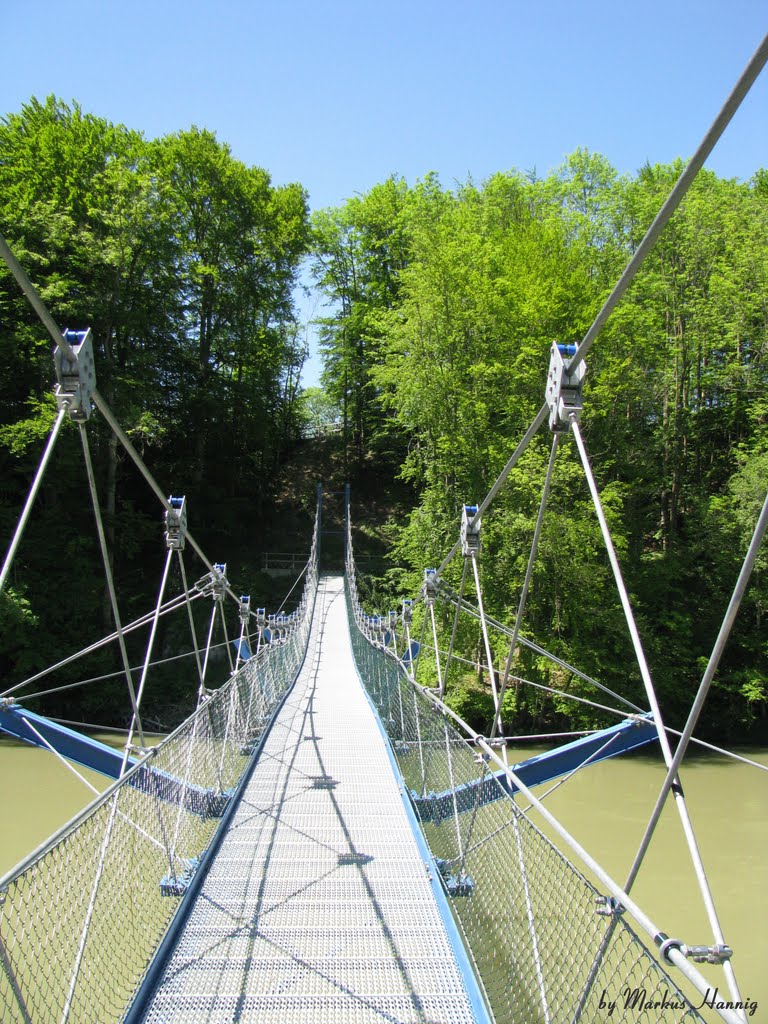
(107, 675)
(143, 620)
(680, 802)
(527, 581)
(110, 579)
(709, 673)
(16, 540)
(295, 584)
(507, 631)
(549, 689)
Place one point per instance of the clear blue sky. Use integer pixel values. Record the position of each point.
(338, 95)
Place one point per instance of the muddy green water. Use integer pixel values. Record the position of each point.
(605, 807)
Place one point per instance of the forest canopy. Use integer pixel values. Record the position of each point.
(183, 261)
(441, 308)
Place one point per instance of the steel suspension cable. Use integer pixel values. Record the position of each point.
(514, 458)
(680, 801)
(694, 165)
(527, 581)
(109, 577)
(741, 88)
(98, 400)
(16, 540)
(34, 299)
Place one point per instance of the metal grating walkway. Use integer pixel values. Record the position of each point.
(319, 906)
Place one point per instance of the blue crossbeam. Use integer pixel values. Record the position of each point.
(536, 770)
(99, 757)
(17, 721)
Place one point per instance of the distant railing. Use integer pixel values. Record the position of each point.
(82, 917)
(279, 563)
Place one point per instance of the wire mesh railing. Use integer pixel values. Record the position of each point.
(547, 945)
(82, 917)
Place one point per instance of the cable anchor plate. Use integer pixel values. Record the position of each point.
(563, 392)
(76, 376)
(470, 531)
(176, 523)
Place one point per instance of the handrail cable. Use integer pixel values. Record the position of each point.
(672, 952)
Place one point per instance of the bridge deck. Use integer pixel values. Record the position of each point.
(319, 905)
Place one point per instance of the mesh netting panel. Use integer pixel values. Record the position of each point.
(80, 923)
(528, 915)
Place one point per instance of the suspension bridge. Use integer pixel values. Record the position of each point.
(324, 839)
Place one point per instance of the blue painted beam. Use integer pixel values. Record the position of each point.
(539, 769)
(16, 720)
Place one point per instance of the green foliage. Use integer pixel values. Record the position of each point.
(445, 304)
(183, 261)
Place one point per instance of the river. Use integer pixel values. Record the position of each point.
(605, 807)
